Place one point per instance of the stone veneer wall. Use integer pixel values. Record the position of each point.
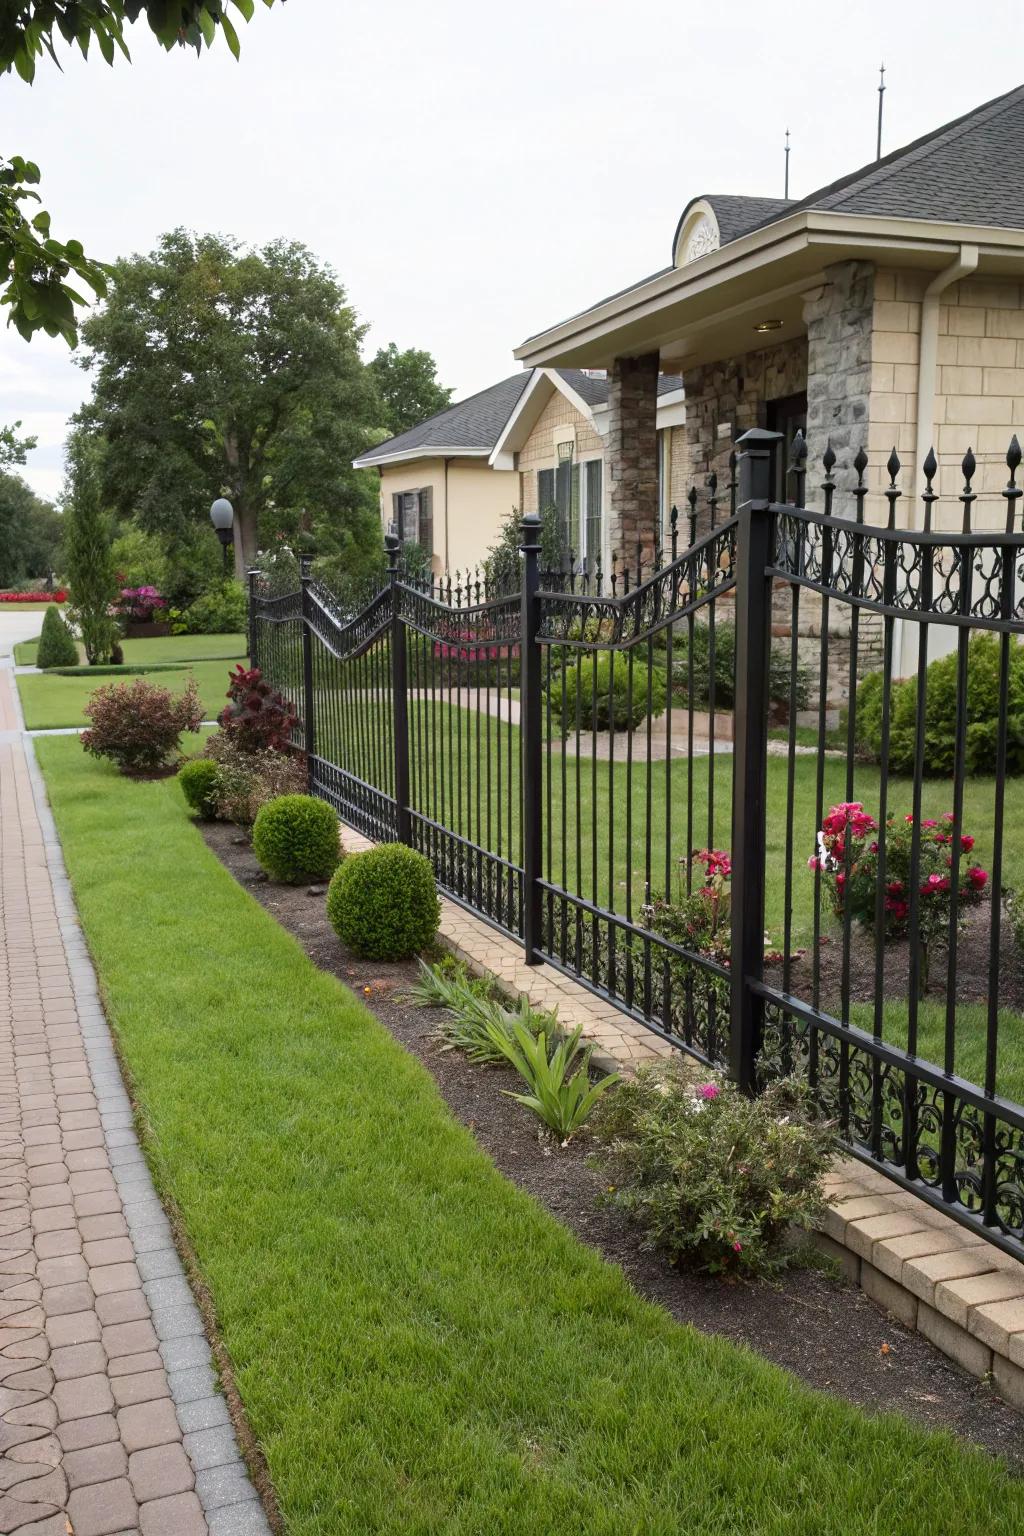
(840, 325)
(632, 455)
(734, 391)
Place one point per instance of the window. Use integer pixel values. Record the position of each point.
(413, 516)
(575, 491)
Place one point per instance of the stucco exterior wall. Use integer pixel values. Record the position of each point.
(478, 501)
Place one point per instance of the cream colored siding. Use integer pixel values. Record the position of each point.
(539, 450)
(979, 390)
(468, 520)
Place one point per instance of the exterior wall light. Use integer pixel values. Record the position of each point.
(768, 325)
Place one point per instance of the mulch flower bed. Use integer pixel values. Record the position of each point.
(824, 1331)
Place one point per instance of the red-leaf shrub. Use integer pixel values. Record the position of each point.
(138, 725)
(60, 596)
(257, 717)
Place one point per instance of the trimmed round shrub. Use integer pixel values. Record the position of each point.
(295, 838)
(606, 694)
(56, 643)
(984, 659)
(199, 785)
(383, 903)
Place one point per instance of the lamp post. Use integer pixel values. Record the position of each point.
(222, 516)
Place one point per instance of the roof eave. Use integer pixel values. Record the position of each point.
(410, 455)
(810, 231)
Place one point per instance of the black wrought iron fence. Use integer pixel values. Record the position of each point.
(703, 791)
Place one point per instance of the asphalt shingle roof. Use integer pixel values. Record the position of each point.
(473, 423)
(969, 171)
(479, 421)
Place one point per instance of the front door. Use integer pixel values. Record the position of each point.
(788, 416)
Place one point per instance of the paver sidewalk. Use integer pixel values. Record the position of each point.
(110, 1420)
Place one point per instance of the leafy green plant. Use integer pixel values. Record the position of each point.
(715, 1178)
(57, 647)
(222, 611)
(473, 1008)
(562, 1101)
(610, 691)
(246, 781)
(295, 838)
(198, 780)
(383, 903)
(984, 661)
(90, 566)
(779, 669)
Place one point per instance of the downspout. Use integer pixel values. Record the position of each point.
(962, 265)
(446, 463)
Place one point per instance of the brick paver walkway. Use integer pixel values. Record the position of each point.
(110, 1418)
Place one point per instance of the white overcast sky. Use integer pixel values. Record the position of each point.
(473, 172)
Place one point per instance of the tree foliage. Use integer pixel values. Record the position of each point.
(226, 371)
(30, 533)
(35, 266)
(408, 387)
(88, 556)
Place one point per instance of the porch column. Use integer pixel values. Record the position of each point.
(632, 458)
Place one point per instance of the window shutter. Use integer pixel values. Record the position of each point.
(396, 512)
(426, 539)
(545, 489)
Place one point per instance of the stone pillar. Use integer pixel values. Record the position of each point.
(839, 318)
(632, 458)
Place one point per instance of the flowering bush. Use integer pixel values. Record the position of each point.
(714, 1177)
(138, 725)
(140, 605)
(848, 858)
(60, 596)
(256, 716)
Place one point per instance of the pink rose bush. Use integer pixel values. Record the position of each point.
(848, 859)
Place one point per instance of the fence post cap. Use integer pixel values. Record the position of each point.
(530, 529)
(758, 438)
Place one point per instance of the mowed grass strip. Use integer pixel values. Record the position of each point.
(180, 648)
(49, 700)
(420, 1348)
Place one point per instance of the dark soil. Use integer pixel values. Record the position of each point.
(972, 965)
(825, 1331)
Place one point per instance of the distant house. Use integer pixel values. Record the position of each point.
(536, 439)
(885, 308)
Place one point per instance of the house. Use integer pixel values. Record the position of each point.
(536, 439)
(884, 309)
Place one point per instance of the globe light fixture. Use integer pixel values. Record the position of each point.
(222, 516)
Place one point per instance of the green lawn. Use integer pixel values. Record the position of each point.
(49, 700)
(29, 607)
(419, 1347)
(170, 648)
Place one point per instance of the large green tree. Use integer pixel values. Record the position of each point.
(408, 387)
(224, 371)
(30, 531)
(35, 267)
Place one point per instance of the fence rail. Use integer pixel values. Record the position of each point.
(632, 775)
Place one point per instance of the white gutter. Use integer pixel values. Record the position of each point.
(962, 265)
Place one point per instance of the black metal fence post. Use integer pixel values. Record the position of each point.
(399, 698)
(530, 730)
(253, 624)
(308, 700)
(753, 641)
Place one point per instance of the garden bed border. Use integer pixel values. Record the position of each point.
(913, 1261)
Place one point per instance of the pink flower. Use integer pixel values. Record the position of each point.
(708, 1091)
(977, 878)
(737, 1247)
(929, 823)
(967, 843)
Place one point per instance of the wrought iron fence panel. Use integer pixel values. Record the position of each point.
(594, 763)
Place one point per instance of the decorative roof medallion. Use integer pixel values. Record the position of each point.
(703, 240)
